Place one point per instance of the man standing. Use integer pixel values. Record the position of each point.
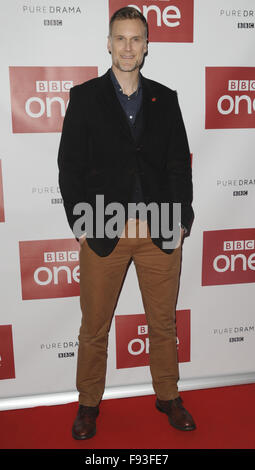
(123, 138)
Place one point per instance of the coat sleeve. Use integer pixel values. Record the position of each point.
(179, 171)
(72, 156)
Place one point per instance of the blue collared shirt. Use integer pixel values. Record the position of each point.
(130, 104)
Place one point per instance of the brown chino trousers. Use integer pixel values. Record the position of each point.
(100, 283)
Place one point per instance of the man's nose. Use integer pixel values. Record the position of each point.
(128, 45)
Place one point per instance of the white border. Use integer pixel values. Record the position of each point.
(124, 391)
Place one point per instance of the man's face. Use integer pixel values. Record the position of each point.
(127, 44)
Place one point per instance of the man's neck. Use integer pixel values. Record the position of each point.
(127, 80)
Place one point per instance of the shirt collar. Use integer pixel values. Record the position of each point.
(117, 85)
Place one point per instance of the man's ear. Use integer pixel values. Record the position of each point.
(109, 45)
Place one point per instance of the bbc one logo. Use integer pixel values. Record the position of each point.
(230, 97)
(169, 21)
(49, 269)
(228, 257)
(132, 340)
(40, 96)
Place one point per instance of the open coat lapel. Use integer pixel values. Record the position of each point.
(112, 105)
(115, 111)
(149, 108)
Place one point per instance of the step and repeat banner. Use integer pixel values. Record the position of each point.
(205, 51)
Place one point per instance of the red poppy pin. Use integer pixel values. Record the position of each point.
(153, 99)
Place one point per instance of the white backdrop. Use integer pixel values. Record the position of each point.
(59, 42)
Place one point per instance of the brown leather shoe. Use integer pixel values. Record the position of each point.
(178, 417)
(84, 426)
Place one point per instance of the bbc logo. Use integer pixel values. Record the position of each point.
(43, 86)
(142, 329)
(60, 256)
(241, 85)
(238, 245)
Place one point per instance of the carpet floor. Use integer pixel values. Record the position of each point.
(224, 417)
